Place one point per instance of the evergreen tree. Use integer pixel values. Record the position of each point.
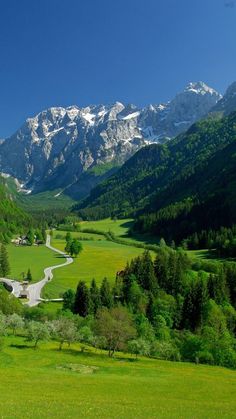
(82, 300)
(30, 237)
(128, 281)
(69, 300)
(161, 268)
(29, 276)
(4, 262)
(105, 294)
(217, 287)
(95, 299)
(148, 281)
(230, 271)
(194, 304)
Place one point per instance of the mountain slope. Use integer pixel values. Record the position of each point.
(12, 218)
(173, 178)
(227, 104)
(60, 147)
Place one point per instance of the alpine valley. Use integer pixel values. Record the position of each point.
(178, 188)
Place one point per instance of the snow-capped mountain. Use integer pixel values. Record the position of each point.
(57, 147)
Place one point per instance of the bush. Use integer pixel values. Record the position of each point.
(204, 357)
(165, 350)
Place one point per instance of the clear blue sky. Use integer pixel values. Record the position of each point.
(63, 52)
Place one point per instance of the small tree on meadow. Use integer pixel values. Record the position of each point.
(36, 332)
(29, 276)
(14, 322)
(139, 347)
(64, 330)
(85, 337)
(116, 327)
(75, 248)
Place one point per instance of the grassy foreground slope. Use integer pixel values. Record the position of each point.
(68, 384)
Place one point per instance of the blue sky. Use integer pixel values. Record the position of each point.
(63, 52)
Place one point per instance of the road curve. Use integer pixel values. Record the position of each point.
(14, 286)
(34, 290)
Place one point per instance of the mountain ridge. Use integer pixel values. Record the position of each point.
(56, 148)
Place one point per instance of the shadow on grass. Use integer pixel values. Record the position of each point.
(20, 346)
(93, 353)
(212, 255)
(58, 256)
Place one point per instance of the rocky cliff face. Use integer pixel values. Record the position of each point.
(227, 104)
(59, 147)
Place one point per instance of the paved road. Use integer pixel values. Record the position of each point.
(35, 289)
(12, 285)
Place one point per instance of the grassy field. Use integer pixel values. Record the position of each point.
(100, 258)
(69, 384)
(118, 227)
(36, 258)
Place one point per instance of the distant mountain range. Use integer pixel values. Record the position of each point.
(72, 149)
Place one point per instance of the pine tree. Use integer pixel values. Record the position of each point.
(161, 268)
(4, 262)
(217, 287)
(69, 300)
(149, 281)
(82, 300)
(128, 281)
(105, 294)
(29, 276)
(95, 300)
(30, 237)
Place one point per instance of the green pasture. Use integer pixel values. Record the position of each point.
(118, 227)
(99, 258)
(69, 384)
(35, 258)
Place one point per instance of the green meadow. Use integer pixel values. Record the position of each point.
(35, 258)
(118, 227)
(100, 258)
(69, 384)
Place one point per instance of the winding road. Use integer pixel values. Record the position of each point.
(34, 290)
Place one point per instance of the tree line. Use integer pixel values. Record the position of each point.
(157, 306)
(186, 315)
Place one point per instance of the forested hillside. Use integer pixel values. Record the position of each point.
(12, 218)
(177, 188)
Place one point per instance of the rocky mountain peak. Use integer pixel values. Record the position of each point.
(202, 88)
(55, 148)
